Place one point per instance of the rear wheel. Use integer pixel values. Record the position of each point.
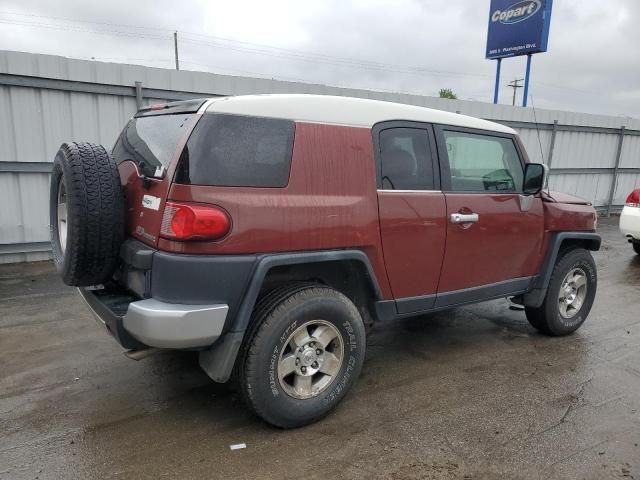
(303, 354)
(569, 297)
(636, 247)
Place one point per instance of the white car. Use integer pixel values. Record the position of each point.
(630, 219)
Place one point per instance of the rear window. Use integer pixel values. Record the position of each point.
(151, 142)
(237, 151)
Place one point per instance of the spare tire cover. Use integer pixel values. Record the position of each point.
(86, 214)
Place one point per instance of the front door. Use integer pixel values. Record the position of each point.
(412, 212)
(494, 233)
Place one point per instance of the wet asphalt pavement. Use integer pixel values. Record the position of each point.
(470, 393)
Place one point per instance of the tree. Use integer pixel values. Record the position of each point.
(447, 93)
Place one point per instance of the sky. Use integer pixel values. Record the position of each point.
(592, 63)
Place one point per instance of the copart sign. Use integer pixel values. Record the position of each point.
(518, 28)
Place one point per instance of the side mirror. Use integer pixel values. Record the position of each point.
(535, 176)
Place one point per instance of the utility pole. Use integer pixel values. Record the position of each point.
(175, 49)
(515, 86)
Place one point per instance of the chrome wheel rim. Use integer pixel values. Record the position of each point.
(573, 292)
(62, 215)
(310, 359)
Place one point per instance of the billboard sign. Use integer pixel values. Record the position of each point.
(518, 28)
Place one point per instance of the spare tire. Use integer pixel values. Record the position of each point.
(86, 212)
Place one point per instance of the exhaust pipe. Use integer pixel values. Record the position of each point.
(138, 355)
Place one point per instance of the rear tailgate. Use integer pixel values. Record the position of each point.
(146, 153)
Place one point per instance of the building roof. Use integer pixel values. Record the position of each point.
(357, 112)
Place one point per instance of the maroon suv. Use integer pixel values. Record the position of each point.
(267, 231)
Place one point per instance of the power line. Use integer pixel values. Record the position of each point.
(241, 46)
(245, 47)
(302, 80)
(576, 90)
(245, 72)
(260, 75)
(81, 30)
(336, 62)
(249, 46)
(83, 21)
(320, 56)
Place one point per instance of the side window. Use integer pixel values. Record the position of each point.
(237, 151)
(406, 159)
(483, 163)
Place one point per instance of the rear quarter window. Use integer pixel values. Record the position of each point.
(237, 151)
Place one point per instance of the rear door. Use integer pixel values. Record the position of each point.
(412, 212)
(494, 233)
(145, 153)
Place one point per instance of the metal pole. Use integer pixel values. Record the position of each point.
(552, 146)
(526, 81)
(614, 180)
(515, 86)
(497, 87)
(139, 95)
(175, 49)
(552, 143)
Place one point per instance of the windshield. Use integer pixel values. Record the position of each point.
(151, 142)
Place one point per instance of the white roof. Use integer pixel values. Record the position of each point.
(358, 112)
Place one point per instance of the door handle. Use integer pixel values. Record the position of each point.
(464, 217)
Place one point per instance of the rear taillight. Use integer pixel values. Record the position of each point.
(182, 221)
(633, 200)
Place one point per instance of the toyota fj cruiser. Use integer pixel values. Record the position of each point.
(266, 231)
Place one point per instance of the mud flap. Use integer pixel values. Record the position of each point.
(218, 360)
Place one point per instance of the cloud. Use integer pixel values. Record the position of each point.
(416, 46)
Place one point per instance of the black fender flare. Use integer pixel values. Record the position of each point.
(535, 296)
(218, 360)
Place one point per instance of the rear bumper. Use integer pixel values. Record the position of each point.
(630, 222)
(169, 300)
(150, 322)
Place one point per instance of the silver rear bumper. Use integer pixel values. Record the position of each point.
(171, 325)
(163, 325)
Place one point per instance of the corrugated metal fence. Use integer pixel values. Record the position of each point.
(46, 100)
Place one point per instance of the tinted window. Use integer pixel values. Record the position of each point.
(151, 142)
(481, 163)
(239, 151)
(406, 159)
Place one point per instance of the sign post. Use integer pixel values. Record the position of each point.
(525, 94)
(520, 28)
(497, 87)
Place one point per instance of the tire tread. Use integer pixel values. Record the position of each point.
(542, 317)
(268, 310)
(95, 213)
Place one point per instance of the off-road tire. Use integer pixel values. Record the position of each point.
(547, 318)
(277, 315)
(94, 212)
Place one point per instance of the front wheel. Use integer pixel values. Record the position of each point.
(303, 354)
(570, 295)
(636, 247)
